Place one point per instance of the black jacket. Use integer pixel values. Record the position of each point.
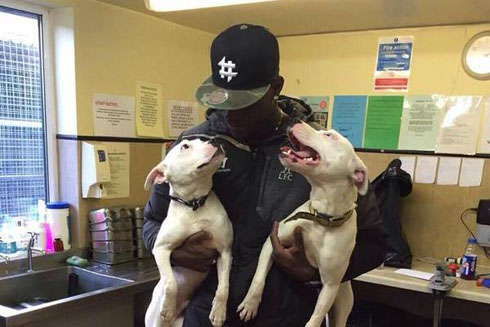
(255, 190)
(390, 186)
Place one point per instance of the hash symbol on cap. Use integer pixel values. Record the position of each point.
(229, 65)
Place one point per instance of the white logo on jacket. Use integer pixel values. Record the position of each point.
(286, 175)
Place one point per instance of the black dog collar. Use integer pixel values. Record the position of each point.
(194, 204)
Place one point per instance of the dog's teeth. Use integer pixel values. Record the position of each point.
(289, 152)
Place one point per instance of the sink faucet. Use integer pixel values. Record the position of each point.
(7, 261)
(30, 248)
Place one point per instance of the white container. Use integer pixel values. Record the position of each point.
(58, 217)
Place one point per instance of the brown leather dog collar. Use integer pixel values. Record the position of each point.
(322, 219)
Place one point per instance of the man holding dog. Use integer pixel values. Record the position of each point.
(250, 118)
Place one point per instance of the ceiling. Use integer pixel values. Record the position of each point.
(298, 17)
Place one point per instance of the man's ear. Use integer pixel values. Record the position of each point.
(277, 84)
(360, 176)
(156, 176)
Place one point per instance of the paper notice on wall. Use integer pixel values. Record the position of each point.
(408, 164)
(149, 109)
(485, 132)
(459, 126)
(383, 122)
(319, 106)
(119, 162)
(471, 172)
(393, 63)
(426, 169)
(182, 115)
(113, 115)
(348, 117)
(420, 122)
(448, 171)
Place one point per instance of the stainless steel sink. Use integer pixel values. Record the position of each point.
(34, 289)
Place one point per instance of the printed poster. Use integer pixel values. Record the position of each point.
(319, 106)
(393, 63)
(348, 117)
(459, 127)
(420, 122)
(113, 115)
(182, 115)
(383, 122)
(119, 161)
(149, 109)
(485, 132)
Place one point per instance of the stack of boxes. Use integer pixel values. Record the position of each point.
(116, 234)
(138, 217)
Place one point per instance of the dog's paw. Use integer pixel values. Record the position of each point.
(218, 313)
(248, 308)
(168, 313)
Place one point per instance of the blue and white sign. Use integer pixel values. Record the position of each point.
(393, 63)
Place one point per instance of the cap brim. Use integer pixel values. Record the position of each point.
(213, 96)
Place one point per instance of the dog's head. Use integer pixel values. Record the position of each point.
(187, 164)
(323, 156)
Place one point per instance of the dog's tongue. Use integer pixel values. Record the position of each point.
(304, 153)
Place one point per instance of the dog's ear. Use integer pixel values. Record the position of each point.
(156, 176)
(359, 176)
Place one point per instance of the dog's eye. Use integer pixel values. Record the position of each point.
(184, 147)
(328, 134)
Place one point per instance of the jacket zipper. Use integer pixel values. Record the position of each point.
(249, 211)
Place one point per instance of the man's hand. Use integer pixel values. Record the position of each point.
(192, 254)
(291, 257)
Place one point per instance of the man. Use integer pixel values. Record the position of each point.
(250, 119)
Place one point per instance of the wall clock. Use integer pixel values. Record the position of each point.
(476, 56)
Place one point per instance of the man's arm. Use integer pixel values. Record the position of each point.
(155, 213)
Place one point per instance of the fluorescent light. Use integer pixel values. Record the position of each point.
(178, 5)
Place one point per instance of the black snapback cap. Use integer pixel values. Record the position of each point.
(244, 62)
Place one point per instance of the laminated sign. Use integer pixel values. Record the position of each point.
(393, 63)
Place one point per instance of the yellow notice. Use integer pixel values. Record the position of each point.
(182, 115)
(149, 109)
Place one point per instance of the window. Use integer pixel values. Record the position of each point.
(23, 139)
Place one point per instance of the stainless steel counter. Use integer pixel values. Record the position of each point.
(111, 305)
(143, 270)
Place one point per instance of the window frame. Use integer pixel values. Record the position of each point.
(48, 91)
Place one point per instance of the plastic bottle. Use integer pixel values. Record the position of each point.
(57, 215)
(48, 246)
(40, 240)
(468, 267)
(20, 236)
(58, 244)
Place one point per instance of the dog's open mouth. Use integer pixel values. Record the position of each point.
(218, 152)
(300, 153)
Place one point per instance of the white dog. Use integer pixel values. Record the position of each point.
(189, 168)
(328, 220)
